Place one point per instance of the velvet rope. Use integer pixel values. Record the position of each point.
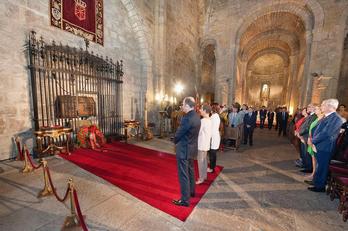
(30, 161)
(20, 151)
(54, 189)
(78, 210)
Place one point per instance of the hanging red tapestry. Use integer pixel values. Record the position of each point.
(80, 17)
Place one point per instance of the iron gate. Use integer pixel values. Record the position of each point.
(61, 72)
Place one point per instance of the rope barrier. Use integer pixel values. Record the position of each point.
(29, 158)
(78, 210)
(54, 189)
(49, 188)
(20, 155)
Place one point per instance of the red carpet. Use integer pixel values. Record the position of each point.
(149, 175)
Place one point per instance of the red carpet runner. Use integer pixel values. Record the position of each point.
(149, 175)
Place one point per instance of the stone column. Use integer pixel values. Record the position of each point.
(217, 90)
(231, 90)
(223, 73)
(230, 63)
(286, 86)
(306, 89)
(245, 90)
(293, 69)
(160, 45)
(316, 96)
(242, 76)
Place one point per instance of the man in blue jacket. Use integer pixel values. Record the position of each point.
(249, 125)
(186, 144)
(323, 142)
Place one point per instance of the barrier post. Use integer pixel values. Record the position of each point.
(27, 166)
(72, 220)
(47, 191)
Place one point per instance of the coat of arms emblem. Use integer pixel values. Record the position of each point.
(80, 9)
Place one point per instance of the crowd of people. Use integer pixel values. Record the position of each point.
(314, 130)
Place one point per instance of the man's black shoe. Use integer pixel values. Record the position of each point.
(310, 182)
(306, 170)
(315, 189)
(180, 203)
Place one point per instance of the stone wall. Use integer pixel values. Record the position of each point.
(182, 33)
(18, 18)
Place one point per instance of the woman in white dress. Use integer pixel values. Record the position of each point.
(215, 139)
(204, 138)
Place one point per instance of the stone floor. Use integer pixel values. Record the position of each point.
(259, 189)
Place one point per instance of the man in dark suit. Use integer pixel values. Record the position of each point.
(323, 142)
(249, 125)
(277, 116)
(270, 118)
(283, 121)
(186, 145)
(263, 113)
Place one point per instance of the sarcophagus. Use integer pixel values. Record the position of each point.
(86, 106)
(68, 106)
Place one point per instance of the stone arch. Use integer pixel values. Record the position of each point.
(139, 28)
(276, 51)
(271, 22)
(206, 42)
(184, 68)
(206, 92)
(274, 43)
(208, 70)
(267, 67)
(293, 41)
(310, 11)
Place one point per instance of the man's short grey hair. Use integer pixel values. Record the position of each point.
(190, 101)
(333, 103)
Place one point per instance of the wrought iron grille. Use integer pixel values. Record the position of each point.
(60, 72)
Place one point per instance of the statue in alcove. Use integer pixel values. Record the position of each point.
(265, 91)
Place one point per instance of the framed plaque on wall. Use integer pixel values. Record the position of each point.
(80, 17)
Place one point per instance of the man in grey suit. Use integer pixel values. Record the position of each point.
(323, 142)
(186, 144)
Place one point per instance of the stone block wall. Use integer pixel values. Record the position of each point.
(182, 33)
(18, 18)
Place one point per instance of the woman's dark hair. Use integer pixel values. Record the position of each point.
(215, 107)
(206, 108)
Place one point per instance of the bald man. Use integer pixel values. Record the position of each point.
(186, 147)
